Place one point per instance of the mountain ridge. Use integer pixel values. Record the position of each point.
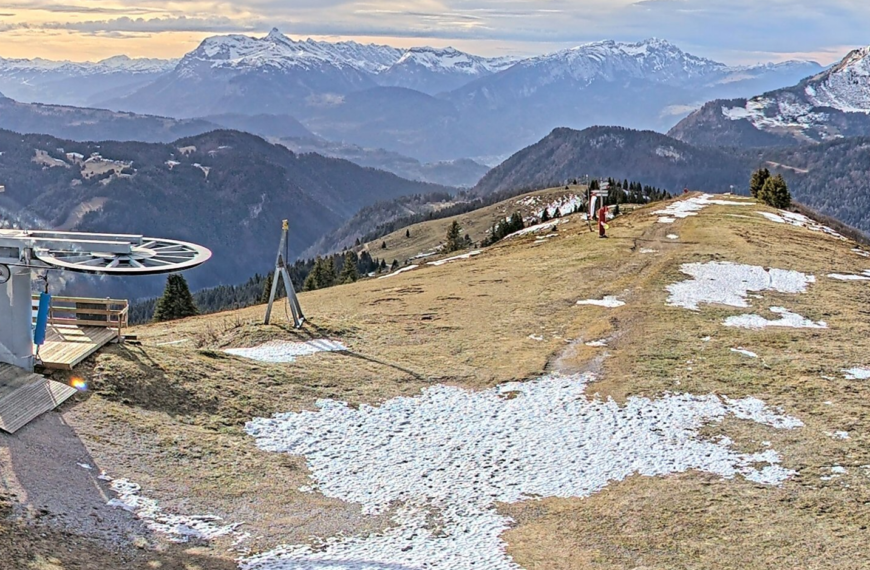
(832, 104)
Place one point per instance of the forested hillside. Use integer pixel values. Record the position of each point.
(225, 190)
(831, 178)
(614, 152)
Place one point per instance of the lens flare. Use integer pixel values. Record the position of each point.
(78, 383)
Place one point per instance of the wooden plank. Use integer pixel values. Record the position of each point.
(65, 346)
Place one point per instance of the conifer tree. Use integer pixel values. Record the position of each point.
(756, 183)
(176, 302)
(454, 238)
(407, 233)
(395, 265)
(267, 288)
(349, 272)
(775, 192)
(545, 216)
(383, 245)
(357, 243)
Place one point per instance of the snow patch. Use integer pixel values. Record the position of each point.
(691, 206)
(726, 283)
(277, 351)
(787, 319)
(534, 229)
(448, 456)
(452, 259)
(177, 528)
(851, 277)
(609, 302)
(398, 271)
(800, 221)
(744, 352)
(857, 374)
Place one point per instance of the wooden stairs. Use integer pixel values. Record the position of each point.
(25, 396)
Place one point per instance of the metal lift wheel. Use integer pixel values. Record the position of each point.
(153, 256)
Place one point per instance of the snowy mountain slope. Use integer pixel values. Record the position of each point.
(433, 70)
(832, 104)
(75, 83)
(645, 85)
(273, 74)
(280, 52)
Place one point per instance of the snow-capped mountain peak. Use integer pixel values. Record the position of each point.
(276, 50)
(654, 59)
(846, 86)
(450, 59)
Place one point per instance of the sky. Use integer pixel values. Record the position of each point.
(731, 31)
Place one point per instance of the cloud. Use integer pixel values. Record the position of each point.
(734, 29)
(154, 25)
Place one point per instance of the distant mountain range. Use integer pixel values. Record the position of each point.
(226, 190)
(829, 105)
(429, 104)
(832, 178)
(81, 84)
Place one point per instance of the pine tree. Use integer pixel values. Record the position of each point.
(454, 238)
(329, 275)
(383, 245)
(395, 265)
(267, 288)
(616, 210)
(315, 276)
(349, 272)
(775, 193)
(357, 243)
(407, 233)
(756, 183)
(176, 302)
(545, 216)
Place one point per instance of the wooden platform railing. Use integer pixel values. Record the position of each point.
(85, 312)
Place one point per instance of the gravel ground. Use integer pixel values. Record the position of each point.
(42, 471)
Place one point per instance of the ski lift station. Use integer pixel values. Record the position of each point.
(60, 332)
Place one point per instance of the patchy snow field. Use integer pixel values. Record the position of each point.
(177, 528)
(787, 319)
(609, 302)
(513, 443)
(691, 206)
(725, 283)
(286, 351)
(800, 221)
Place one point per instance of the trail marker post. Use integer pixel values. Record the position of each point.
(281, 272)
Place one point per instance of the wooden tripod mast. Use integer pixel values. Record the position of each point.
(281, 271)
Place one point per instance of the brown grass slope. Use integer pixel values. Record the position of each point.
(171, 416)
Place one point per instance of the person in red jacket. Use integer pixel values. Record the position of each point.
(602, 222)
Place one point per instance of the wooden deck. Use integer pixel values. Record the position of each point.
(77, 328)
(25, 396)
(68, 345)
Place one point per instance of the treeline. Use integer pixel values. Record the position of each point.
(305, 274)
